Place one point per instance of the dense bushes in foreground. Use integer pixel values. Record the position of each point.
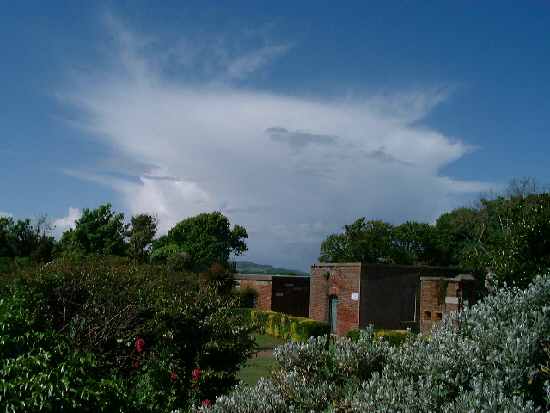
(492, 357)
(104, 335)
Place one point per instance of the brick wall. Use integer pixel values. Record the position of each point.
(438, 296)
(263, 286)
(341, 280)
(388, 296)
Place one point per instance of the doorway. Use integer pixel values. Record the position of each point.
(333, 313)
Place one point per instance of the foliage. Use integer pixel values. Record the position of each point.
(392, 337)
(365, 241)
(219, 277)
(506, 237)
(99, 231)
(378, 241)
(207, 238)
(23, 238)
(139, 330)
(491, 357)
(455, 231)
(285, 326)
(414, 243)
(39, 370)
(165, 251)
(514, 238)
(143, 228)
(247, 297)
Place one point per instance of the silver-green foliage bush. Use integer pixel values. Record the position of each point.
(492, 357)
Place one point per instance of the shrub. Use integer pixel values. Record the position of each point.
(39, 370)
(491, 357)
(144, 326)
(285, 326)
(393, 337)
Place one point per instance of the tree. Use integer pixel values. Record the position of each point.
(98, 231)
(7, 242)
(206, 239)
(514, 239)
(23, 238)
(455, 232)
(335, 249)
(143, 228)
(378, 241)
(364, 241)
(415, 243)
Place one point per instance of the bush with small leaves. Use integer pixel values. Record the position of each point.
(491, 357)
(138, 326)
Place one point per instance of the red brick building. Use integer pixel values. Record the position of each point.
(441, 295)
(287, 294)
(355, 295)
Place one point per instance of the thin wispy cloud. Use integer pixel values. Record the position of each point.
(252, 61)
(290, 169)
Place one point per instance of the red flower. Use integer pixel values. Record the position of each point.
(173, 376)
(140, 344)
(135, 364)
(196, 374)
(206, 403)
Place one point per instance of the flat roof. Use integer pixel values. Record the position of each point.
(459, 277)
(336, 264)
(266, 277)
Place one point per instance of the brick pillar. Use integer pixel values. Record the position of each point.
(340, 280)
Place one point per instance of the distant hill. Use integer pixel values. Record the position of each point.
(248, 267)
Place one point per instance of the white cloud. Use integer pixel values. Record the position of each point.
(290, 169)
(5, 214)
(63, 224)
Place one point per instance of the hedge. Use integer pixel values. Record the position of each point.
(285, 326)
(393, 337)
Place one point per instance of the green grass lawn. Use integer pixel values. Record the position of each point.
(266, 342)
(260, 365)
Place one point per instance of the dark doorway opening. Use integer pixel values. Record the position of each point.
(333, 313)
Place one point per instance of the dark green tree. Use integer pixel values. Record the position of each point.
(205, 239)
(513, 243)
(455, 232)
(415, 243)
(335, 248)
(7, 241)
(99, 231)
(24, 238)
(364, 241)
(143, 228)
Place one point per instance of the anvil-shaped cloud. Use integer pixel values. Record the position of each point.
(290, 169)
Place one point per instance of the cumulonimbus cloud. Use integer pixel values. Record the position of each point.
(290, 169)
(67, 222)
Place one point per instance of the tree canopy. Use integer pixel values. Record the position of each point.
(203, 240)
(98, 231)
(25, 238)
(507, 238)
(378, 241)
(143, 228)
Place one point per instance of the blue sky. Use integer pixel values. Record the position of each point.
(293, 118)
